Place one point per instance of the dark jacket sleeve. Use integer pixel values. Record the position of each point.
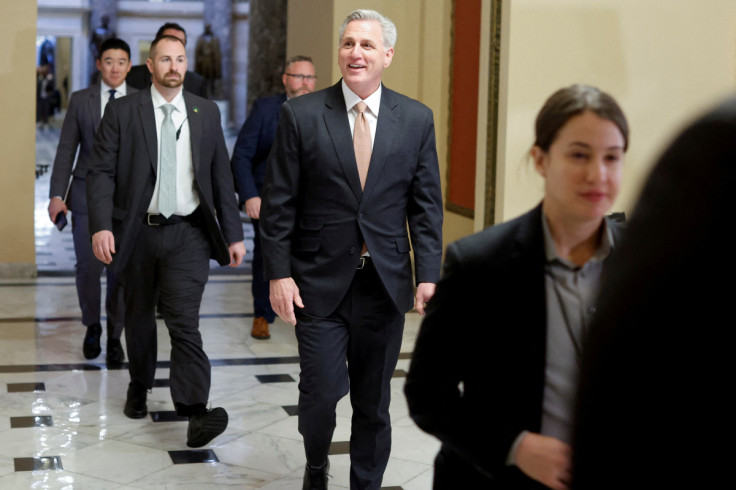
(245, 150)
(434, 387)
(424, 209)
(476, 374)
(67, 150)
(280, 195)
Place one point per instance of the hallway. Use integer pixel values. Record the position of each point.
(61, 420)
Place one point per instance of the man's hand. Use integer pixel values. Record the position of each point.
(103, 245)
(56, 206)
(284, 295)
(237, 252)
(253, 207)
(545, 459)
(425, 291)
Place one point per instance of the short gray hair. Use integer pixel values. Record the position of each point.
(388, 28)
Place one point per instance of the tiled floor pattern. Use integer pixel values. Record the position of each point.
(61, 420)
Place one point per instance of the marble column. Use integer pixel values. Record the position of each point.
(101, 11)
(219, 15)
(266, 47)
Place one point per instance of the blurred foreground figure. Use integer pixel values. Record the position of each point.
(654, 385)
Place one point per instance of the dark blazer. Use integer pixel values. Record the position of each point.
(486, 327)
(140, 78)
(655, 409)
(254, 144)
(78, 131)
(122, 174)
(315, 217)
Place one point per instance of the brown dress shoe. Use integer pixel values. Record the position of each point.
(260, 329)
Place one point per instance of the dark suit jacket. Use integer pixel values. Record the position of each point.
(122, 174)
(78, 131)
(486, 327)
(254, 144)
(315, 217)
(655, 409)
(139, 77)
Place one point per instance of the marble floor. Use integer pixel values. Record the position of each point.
(61, 420)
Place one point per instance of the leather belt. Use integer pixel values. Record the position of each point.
(160, 220)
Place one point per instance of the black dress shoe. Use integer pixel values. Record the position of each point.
(135, 405)
(316, 478)
(206, 426)
(91, 347)
(115, 354)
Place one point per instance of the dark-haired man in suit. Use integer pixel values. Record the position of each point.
(162, 202)
(140, 78)
(249, 168)
(78, 131)
(350, 167)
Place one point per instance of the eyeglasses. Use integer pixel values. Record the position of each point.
(300, 77)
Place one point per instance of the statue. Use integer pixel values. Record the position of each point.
(208, 62)
(100, 35)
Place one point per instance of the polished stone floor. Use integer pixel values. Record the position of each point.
(61, 420)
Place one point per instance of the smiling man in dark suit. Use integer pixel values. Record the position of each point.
(350, 167)
(78, 131)
(162, 202)
(249, 168)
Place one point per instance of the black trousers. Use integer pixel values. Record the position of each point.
(354, 349)
(168, 268)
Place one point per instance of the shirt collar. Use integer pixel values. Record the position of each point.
(351, 98)
(158, 99)
(604, 249)
(120, 91)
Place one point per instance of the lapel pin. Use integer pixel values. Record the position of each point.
(196, 109)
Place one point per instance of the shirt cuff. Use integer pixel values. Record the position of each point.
(511, 456)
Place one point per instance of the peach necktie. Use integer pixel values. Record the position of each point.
(362, 142)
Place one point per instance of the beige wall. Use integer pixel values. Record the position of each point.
(420, 68)
(17, 137)
(663, 63)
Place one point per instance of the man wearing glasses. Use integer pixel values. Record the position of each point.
(249, 168)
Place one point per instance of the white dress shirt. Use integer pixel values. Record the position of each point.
(186, 197)
(120, 91)
(371, 114)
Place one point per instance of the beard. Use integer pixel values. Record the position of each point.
(171, 79)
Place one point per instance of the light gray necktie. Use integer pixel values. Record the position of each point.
(167, 173)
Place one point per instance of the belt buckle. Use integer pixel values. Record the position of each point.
(361, 265)
(148, 220)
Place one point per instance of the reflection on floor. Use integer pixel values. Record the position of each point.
(61, 420)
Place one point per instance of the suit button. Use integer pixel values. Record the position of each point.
(352, 250)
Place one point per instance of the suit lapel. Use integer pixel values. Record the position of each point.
(388, 121)
(195, 130)
(148, 123)
(338, 127)
(94, 104)
(529, 240)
